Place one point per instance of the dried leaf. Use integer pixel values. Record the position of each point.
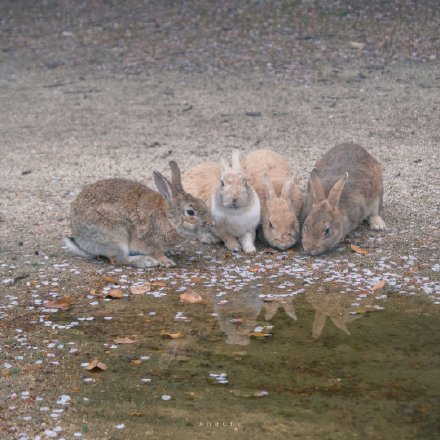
(257, 269)
(177, 335)
(196, 279)
(137, 414)
(136, 362)
(94, 292)
(140, 290)
(125, 340)
(237, 321)
(379, 286)
(96, 364)
(358, 250)
(158, 283)
(109, 279)
(63, 303)
(114, 293)
(190, 297)
(270, 250)
(257, 334)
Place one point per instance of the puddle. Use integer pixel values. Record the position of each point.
(345, 364)
(281, 347)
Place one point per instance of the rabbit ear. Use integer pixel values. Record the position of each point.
(286, 191)
(224, 167)
(292, 168)
(316, 185)
(236, 159)
(175, 176)
(335, 192)
(269, 190)
(164, 187)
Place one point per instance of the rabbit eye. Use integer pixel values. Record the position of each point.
(222, 183)
(327, 232)
(271, 225)
(190, 212)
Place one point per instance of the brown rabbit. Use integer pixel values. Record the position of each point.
(280, 196)
(336, 205)
(131, 224)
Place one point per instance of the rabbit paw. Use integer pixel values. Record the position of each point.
(165, 261)
(233, 245)
(142, 261)
(247, 242)
(376, 223)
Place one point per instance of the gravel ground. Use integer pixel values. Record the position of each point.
(97, 89)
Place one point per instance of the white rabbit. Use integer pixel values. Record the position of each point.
(234, 204)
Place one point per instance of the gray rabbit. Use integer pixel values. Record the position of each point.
(132, 224)
(336, 205)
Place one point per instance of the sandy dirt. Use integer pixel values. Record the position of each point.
(65, 124)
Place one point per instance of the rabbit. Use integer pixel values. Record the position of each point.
(234, 204)
(280, 196)
(132, 224)
(336, 205)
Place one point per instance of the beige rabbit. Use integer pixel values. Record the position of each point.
(280, 196)
(234, 204)
(131, 224)
(336, 205)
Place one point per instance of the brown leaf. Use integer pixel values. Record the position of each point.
(94, 292)
(96, 364)
(137, 414)
(379, 286)
(196, 279)
(257, 269)
(237, 321)
(158, 283)
(136, 361)
(140, 290)
(109, 279)
(190, 297)
(270, 250)
(257, 334)
(177, 335)
(358, 249)
(114, 293)
(124, 340)
(63, 303)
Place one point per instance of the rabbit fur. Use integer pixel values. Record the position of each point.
(280, 196)
(132, 224)
(234, 204)
(336, 205)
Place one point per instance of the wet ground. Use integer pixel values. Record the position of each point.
(266, 347)
(276, 345)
